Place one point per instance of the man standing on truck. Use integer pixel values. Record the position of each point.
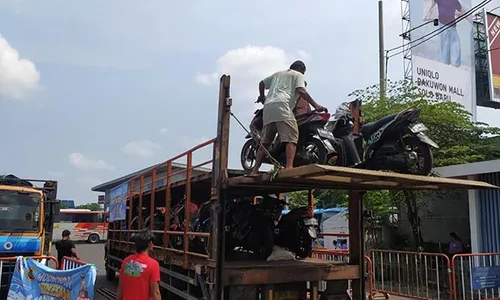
(140, 274)
(285, 87)
(65, 247)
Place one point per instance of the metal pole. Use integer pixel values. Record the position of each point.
(381, 48)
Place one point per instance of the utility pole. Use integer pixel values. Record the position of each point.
(381, 47)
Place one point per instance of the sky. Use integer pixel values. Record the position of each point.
(93, 90)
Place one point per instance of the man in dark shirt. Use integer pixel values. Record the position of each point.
(65, 247)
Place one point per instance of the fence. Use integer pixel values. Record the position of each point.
(69, 263)
(418, 275)
(421, 275)
(7, 266)
(476, 276)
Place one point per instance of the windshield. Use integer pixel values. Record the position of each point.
(342, 110)
(19, 211)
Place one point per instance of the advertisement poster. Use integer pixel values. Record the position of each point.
(118, 203)
(443, 67)
(493, 25)
(33, 280)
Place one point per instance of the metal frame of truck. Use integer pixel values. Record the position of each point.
(192, 276)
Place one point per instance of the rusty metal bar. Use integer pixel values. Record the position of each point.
(310, 202)
(141, 189)
(187, 208)
(218, 193)
(168, 195)
(130, 209)
(152, 205)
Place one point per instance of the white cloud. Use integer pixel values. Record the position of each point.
(80, 161)
(17, 75)
(55, 174)
(88, 181)
(143, 148)
(164, 131)
(247, 67)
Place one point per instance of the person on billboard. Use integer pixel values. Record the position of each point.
(446, 12)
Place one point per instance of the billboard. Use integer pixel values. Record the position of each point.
(493, 30)
(442, 50)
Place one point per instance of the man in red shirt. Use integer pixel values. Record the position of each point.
(140, 274)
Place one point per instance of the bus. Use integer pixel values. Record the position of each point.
(84, 225)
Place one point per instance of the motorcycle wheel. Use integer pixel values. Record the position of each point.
(248, 155)
(306, 248)
(418, 156)
(316, 151)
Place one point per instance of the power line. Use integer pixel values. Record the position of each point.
(442, 29)
(436, 32)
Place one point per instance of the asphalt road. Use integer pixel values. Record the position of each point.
(95, 254)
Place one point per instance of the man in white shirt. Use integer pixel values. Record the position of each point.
(285, 88)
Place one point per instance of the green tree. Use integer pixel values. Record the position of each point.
(91, 206)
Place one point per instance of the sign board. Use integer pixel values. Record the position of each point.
(442, 51)
(33, 280)
(485, 277)
(118, 203)
(101, 199)
(68, 203)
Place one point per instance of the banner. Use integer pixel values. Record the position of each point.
(118, 202)
(35, 281)
(493, 26)
(442, 50)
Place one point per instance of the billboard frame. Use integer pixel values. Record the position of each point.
(488, 102)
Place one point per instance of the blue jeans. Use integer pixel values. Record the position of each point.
(449, 47)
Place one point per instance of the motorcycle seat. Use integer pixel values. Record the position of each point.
(369, 128)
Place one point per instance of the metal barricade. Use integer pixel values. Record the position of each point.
(69, 263)
(7, 266)
(418, 275)
(342, 256)
(481, 286)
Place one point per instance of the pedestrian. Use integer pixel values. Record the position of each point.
(455, 246)
(285, 88)
(65, 247)
(140, 274)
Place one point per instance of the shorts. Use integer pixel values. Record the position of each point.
(288, 132)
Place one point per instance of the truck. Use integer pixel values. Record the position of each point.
(28, 208)
(169, 198)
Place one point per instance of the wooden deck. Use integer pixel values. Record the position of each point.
(330, 177)
(263, 272)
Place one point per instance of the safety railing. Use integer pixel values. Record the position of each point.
(342, 256)
(418, 275)
(476, 276)
(70, 263)
(7, 267)
(136, 193)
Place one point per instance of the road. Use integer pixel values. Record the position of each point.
(95, 254)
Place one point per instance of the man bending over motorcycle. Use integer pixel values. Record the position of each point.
(285, 87)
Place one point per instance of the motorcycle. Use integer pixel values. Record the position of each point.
(395, 142)
(250, 228)
(296, 231)
(314, 145)
(177, 223)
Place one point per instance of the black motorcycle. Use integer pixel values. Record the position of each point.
(250, 228)
(296, 231)
(396, 142)
(314, 145)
